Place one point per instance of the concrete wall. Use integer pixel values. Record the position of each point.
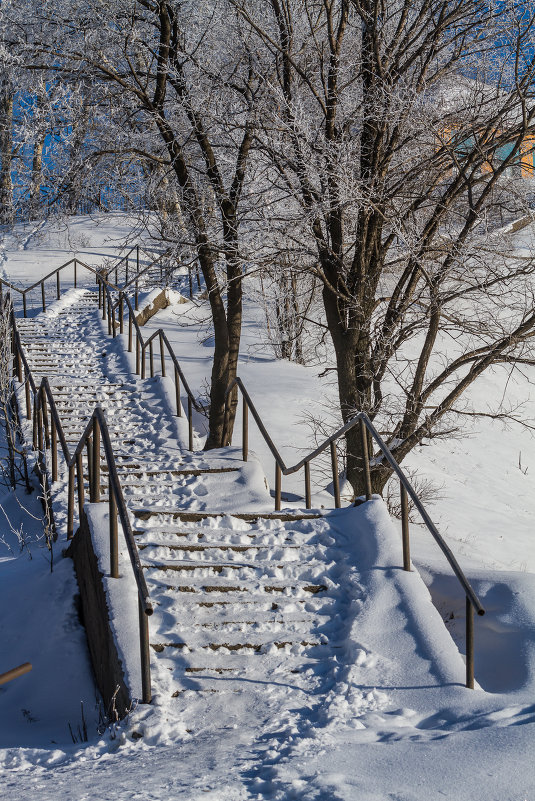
(106, 664)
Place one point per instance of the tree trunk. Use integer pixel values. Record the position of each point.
(37, 176)
(7, 211)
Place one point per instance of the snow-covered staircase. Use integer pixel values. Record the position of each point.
(231, 589)
(240, 595)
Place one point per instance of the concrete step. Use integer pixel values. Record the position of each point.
(195, 517)
(222, 587)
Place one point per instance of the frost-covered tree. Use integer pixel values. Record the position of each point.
(179, 85)
(375, 145)
(394, 135)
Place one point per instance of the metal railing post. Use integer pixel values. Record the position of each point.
(80, 481)
(365, 458)
(40, 437)
(54, 447)
(278, 481)
(96, 461)
(177, 394)
(45, 418)
(89, 453)
(35, 422)
(151, 354)
(405, 527)
(130, 327)
(308, 493)
(469, 644)
(18, 363)
(114, 540)
(146, 693)
(245, 431)
(58, 287)
(162, 355)
(70, 504)
(28, 399)
(190, 424)
(43, 301)
(336, 478)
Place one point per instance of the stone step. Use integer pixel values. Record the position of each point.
(194, 517)
(217, 628)
(220, 587)
(260, 632)
(247, 609)
(168, 535)
(137, 473)
(108, 387)
(252, 644)
(195, 568)
(220, 546)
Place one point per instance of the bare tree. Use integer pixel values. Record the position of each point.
(376, 145)
(288, 295)
(15, 467)
(7, 92)
(181, 86)
(394, 131)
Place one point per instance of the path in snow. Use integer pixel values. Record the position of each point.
(248, 607)
(283, 650)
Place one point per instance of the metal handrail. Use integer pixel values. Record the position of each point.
(15, 672)
(76, 262)
(362, 420)
(107, 304)
(109, 307)
(97, 271)
(106, 271)
(45, 436)
(139, 272)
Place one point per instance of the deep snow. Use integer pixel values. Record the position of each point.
(396, 722)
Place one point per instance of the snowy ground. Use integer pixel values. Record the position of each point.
(392, 728)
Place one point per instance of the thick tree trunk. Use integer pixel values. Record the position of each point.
(227, 331)
(7, 212)
(351, 337)
(74, 183)
(37, 176)
(227, 346)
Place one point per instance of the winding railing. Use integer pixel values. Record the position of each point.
(75, 262)
(113, 309)
(48, 435)
(100, 273)
(406, 489)
(47, 430)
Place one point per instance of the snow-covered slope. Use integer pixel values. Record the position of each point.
(377, 712)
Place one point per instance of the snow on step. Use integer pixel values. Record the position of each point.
(255, 588)
(253, 611)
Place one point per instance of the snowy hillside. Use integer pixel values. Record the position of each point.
(384, 715)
